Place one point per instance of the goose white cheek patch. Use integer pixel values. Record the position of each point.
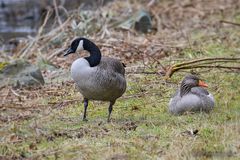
(80, 46)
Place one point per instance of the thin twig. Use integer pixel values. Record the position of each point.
(156, 60)
(33, 43)
(5, 97)
(142, 72)
(57, 52)
(15, 93)
(56, 11)
(228, 22)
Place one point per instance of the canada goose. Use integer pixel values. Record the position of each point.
(97, 77)
(191, 97)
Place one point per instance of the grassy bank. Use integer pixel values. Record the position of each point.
(46, 122)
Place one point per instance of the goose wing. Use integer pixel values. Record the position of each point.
(199, 91)
(112, 65)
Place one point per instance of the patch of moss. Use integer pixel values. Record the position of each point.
(2, 65)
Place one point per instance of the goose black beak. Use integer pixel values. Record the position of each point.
(69, 51)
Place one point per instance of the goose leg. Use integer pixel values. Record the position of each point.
(85, 101)
(110, 108)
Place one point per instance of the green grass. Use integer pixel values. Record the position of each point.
(141, 127)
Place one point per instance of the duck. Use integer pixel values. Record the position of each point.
(191, 97)
(96, 77)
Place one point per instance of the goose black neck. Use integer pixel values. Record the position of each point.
(184, 89)
(95, 53)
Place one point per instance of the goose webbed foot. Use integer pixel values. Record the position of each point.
(85, 101)
(110, 108)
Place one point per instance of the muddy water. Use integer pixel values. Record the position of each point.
(19, 18)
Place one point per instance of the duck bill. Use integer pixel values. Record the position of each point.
(202, 84)
(69, 51)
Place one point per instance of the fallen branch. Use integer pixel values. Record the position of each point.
(203, 63)
(222, 59)
(206, 66)
(228, 22)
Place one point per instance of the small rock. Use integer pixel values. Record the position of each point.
(140, 21)
(190, 132)
(21, 73)
(143, 23)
